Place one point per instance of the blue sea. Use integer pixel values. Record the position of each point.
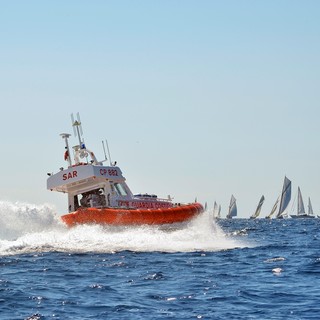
(228, 269)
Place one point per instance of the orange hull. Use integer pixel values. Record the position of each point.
(112, 216)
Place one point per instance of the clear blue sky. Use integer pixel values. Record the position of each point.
(196, 98)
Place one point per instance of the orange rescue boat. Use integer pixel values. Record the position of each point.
(116, 216)
(99, 194)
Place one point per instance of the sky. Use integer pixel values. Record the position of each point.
(198, 99)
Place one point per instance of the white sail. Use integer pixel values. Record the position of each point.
(219, 211)
(232, 208)
(310, 210)
(258, 210)
(285, 197)
(273, 210)
(300, 203)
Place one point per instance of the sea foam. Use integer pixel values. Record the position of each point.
(26, 228)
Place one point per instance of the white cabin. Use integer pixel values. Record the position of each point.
(91, 184)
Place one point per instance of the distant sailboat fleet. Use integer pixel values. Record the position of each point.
(277, 212)
(300, 208)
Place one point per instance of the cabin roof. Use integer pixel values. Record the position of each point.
(83, 176)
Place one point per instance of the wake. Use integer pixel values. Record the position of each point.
(26, 228)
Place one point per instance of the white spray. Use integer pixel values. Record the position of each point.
(26, 228)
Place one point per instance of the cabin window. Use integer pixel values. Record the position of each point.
(93, 198)
(120, 189)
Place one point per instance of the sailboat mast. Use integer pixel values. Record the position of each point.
(281, 198)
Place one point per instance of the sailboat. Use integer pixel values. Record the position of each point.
(216, 211)
(273, 210)
(300, 208)
(257, 212)
(285, 199)
(310, 210)
(232, 208)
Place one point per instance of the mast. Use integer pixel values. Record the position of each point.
(77, 129)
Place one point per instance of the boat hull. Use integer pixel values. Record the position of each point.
(302, 216)
(118, 216)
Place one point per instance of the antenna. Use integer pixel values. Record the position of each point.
(108, 152)
(104, 151)
(77, 128)
(79, 121)
(72, 123)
